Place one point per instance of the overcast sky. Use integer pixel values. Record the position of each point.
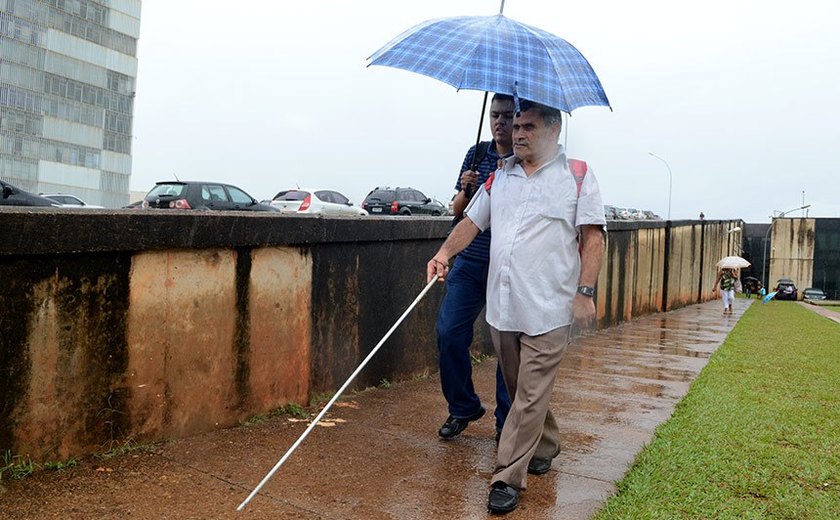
(739, 97)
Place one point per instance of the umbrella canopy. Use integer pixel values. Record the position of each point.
(733, 262)
(497, 54)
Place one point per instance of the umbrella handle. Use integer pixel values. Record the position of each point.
(470, 188)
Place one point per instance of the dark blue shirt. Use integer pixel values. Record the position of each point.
(479, 249)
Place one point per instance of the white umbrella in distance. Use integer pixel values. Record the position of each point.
(733, 262)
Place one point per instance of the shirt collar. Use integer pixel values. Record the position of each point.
(495, 151)
(512, 161)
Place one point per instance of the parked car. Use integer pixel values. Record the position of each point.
(201, 195)
(401, 201)
(812, 293)
(437, 207)
(611, 213)
(14, 196)
(785, 289)
(69, 201)
(630, 214)
(322, 202)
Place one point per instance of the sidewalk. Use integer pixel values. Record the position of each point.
(833, 316)
(381, 457)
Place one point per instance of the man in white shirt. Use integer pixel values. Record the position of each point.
(540, 282)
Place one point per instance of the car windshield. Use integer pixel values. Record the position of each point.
(168, 190)
(291, 195)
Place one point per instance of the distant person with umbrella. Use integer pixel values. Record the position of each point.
(726, 279)
(750, 286)
(539, 284)
(466, 285)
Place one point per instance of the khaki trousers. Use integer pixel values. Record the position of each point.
(529, 366)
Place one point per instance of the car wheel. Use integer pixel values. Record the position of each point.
(435, 213)
(406, 212)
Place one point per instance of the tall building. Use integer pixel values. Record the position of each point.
(67, 83)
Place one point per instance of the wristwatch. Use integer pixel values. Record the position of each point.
(586, 291)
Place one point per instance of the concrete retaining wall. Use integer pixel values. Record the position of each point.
(792, 251)
(146, 325)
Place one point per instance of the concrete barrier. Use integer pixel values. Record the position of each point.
(144, 325)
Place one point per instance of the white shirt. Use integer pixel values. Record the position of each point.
(534, 259)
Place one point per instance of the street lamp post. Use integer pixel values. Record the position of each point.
(767, 235)
(670, 180)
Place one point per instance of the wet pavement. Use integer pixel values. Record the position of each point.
(827, 313)
(378, 455)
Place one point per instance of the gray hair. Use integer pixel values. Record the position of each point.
(549, 115)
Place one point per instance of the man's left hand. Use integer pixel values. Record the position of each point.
(583, 308)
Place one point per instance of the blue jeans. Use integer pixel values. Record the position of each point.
(466, 288)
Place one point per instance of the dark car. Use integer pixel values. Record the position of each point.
(786, 289)
(611, 212)
(401, 201)
(436, 208)
(14, 196)
(201, 195)
(812, 293)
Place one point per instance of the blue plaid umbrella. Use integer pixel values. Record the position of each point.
(497, 54)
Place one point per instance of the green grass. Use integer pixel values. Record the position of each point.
(17, 467)
(477, 358)
(124, 446)
(757, 436)
(289, 410)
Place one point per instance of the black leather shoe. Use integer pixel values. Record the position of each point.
(538, 466)
(503, 498)
(454, 426)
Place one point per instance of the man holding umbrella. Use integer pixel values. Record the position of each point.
(467, 284)
(539, 284)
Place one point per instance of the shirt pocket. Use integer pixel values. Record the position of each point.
(558, 201)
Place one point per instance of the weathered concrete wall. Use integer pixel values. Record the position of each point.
(156, 324)
(359, 291)
(63, 352)
(638, 276)
(214, 335)
(792, 251)
(631, 279)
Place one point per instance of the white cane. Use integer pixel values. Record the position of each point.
(336, 396)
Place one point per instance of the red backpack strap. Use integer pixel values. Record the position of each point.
(489, 182)
(578, 169)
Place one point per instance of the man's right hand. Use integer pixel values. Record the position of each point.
(437, 267)
(468, 178)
